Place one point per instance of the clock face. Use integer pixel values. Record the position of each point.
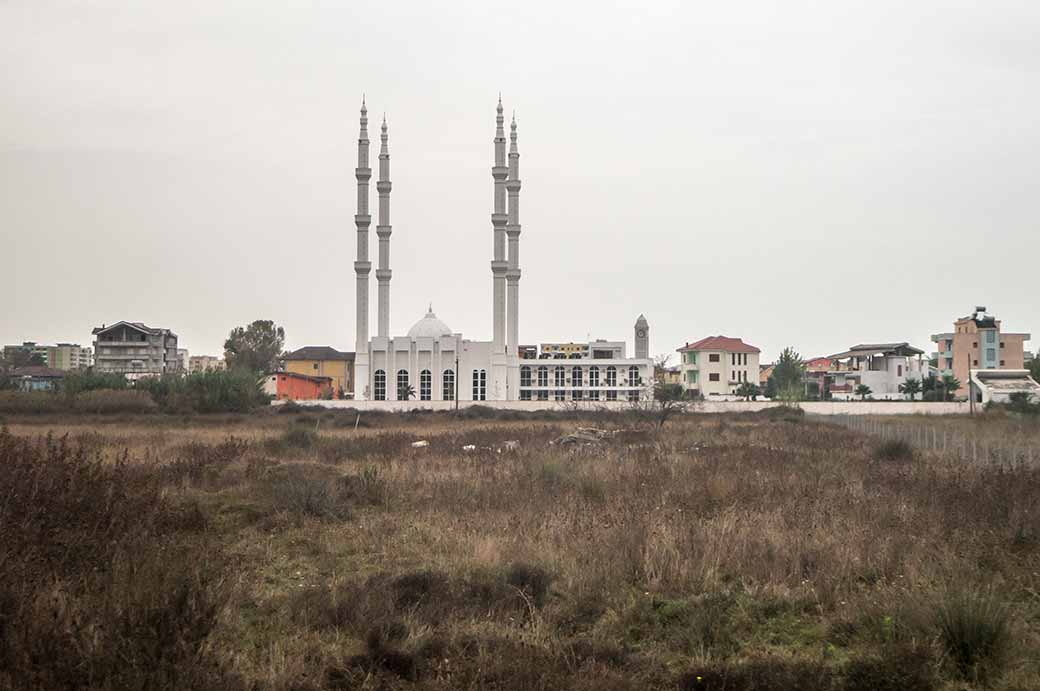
(641, 333)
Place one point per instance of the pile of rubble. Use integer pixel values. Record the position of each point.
(592, 436)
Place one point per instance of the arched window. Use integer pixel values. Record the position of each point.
(403, 385)
(576, 383)
(448, 388)
(479, 385)
(525, 383)
(612, 376)
(425, 385)
(594, 376)
(633, 376)
(379, 389)
(559, 381)
(543, 383)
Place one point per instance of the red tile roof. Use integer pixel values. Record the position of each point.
(729, 345)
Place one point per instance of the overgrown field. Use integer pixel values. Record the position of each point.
(297, 552)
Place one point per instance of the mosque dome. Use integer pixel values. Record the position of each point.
(429, 327)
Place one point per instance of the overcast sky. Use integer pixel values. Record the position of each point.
(814, 174)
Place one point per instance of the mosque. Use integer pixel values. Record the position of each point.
(433, 363)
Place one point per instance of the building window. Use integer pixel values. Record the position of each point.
(1001, 363)
(479, 385)
(714, 376)
(543, 376)
(1002, 344)
(991, 354)
(379, 389)
(633, 396)
(612, 376)
(991, 336)
(448, 385)
(611, 394)
(525, 376)
(633, 376)
(425, 385)
(713, 357)
(576, 378)
(402, 385)
(594, 376)
(899, 370)
(559, 395)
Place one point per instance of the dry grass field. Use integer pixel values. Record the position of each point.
(292, 551)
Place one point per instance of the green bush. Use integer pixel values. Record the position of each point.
(975, 629)
(104, 401)
(81, 382)
(894, 450)
(32, 402)
(233, 391)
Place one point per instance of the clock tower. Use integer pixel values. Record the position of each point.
(642, 338)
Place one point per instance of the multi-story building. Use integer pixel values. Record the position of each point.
(323, 361)
(63, 356)
(598, 349)
(718, 365)
(135, 350)
(883, 367)
(205, 363)
(978, 342)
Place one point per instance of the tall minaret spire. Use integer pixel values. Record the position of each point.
(499, 265)
(513, 233)
(362, 266)
(383, 230)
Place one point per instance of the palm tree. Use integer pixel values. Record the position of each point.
(863, 391)
(949, 384)
(405, 392)
(911, 387)
(747, 391)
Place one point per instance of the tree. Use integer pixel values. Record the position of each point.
(1034, 368)
(789, 375)
(949, 385)
(669, 400)
(863, 391)
(18, 357)
(911, 387)
(254, 348)
(405, 392)
(747, 391)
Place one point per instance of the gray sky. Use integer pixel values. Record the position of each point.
(808, 173)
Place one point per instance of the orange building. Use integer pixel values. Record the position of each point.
(290, 386)
(976, 343)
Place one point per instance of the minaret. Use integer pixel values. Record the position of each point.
(642, 338)
(499, 265)
(513, 233)
(383, 230)
(362, 266)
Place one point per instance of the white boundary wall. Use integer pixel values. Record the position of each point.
(811, 407)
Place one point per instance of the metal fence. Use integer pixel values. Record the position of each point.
(1006, 449)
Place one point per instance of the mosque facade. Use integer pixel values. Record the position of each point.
(433, 363)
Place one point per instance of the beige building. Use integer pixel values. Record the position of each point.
(63, 356)
(205, 363)
(978, 341)
(718, 366)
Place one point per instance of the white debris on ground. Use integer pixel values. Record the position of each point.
(469, 447)
(420, 444)
(511, 445)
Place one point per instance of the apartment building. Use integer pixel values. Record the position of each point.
(978, 341)
(63, 356)
(598, 349)
(718, 365)
(205, 363)
(135, 350)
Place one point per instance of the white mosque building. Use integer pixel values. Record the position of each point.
(433, 363)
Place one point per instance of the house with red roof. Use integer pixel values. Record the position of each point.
(718, 365)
